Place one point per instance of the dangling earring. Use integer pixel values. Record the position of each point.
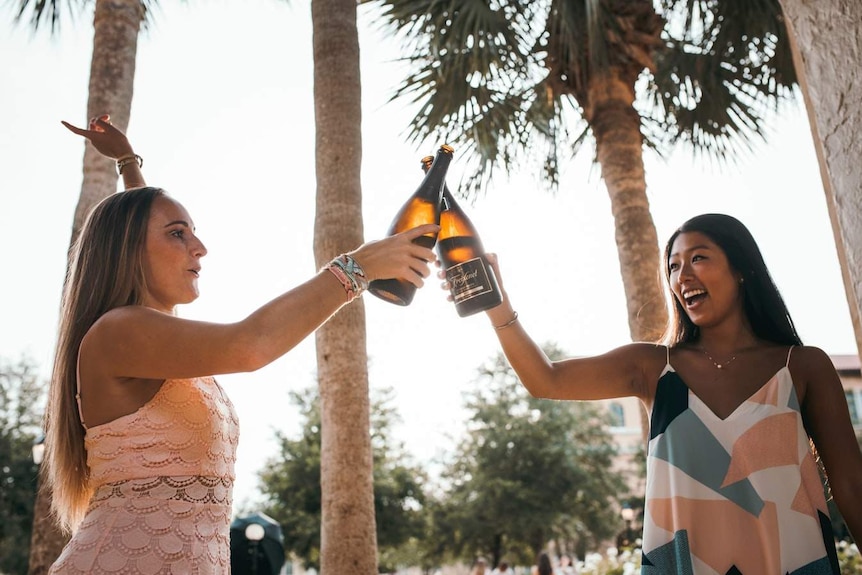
(741, 281)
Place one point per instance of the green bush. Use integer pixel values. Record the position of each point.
(849, 558)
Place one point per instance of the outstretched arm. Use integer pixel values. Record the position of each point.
(629, 370)
(113, 143)
(139, 342)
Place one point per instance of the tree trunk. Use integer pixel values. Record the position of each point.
(348, 531)
(116, 24)
(46, 539)
(112, 73)
(825, 38)
(619, 149)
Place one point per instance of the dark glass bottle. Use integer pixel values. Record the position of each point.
(423, 207)
(471, 278)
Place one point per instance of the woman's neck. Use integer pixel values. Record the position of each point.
(727, 338)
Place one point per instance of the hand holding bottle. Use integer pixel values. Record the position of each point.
(470, 276)
(503, 310)
(398, 256)
(471, 280)
(422, 207)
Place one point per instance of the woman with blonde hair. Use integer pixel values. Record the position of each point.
(141, 439)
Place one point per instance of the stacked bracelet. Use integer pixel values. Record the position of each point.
(508, 323)
(126, 160)
(350, 274)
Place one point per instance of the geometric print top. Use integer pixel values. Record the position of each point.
(740, 495)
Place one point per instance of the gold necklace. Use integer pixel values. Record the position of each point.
(715, 363)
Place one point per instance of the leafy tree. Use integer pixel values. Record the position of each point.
(291, 484)
(525, 84)
(528, 471)
(21, 400)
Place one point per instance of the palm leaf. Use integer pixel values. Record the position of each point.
(49, 12)
(507, 80)
(726, 68)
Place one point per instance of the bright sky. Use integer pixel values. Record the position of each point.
(223, 116)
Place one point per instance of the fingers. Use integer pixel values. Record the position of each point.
(416, 278)
(495, 266)
(424, 229)
(396, 257)
(98, 124)
(74, 129)
(445, 285)
(420, 268)
(102, 123)
(104, 136)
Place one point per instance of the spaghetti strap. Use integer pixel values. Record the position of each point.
(789, 351)
(667, 353)
(78, 390)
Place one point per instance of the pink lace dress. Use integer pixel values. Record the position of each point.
(163, 479)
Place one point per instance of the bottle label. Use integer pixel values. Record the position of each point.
(468, 280)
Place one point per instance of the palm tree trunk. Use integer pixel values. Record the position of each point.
(619, 149)
(116, 24)
(46, 539)
(348, 531)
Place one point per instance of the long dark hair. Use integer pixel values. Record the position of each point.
(762, 303)
(544, 564)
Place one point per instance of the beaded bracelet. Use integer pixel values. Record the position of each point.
(508, 323)
(350, 274)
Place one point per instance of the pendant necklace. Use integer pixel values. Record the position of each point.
(715, 363)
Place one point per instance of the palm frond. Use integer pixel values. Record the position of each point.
(509, 81)
(43, 12)
(50, 12)
(726, 68)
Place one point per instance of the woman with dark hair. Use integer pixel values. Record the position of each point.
(742, 416)
(141, 440)
(543, 565)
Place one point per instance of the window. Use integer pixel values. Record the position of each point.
(853, 404)
(618, 414)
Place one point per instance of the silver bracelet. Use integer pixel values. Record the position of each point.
(508, 323)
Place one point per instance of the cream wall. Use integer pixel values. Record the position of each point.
(828, 56)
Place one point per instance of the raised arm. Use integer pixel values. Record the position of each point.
(113, 143)
(629, 370)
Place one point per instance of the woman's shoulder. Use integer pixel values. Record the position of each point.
(647, 351)
(809, 358)
(647, 359)
(120, 327)
(122, 317)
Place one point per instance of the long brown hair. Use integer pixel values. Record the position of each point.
(105, 272)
